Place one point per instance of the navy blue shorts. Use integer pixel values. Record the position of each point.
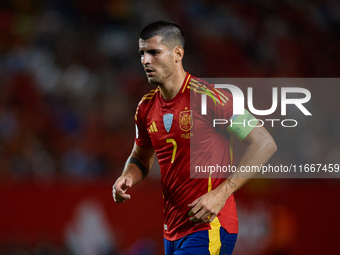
(205, 242)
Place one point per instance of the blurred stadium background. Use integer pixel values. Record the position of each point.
(71, 80)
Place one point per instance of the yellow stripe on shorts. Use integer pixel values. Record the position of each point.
(214, 232)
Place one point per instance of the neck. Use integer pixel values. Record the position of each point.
(172, 86)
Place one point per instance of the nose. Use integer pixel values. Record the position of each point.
(145, 59)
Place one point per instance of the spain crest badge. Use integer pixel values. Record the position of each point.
(185, 120)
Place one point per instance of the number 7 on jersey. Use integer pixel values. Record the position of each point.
(171, 140)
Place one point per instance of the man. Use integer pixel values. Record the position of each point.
(200, 213)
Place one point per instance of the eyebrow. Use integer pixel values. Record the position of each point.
(149, 51)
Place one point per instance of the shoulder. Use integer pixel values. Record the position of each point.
(146, 102)
(149, 97)
(200, 86)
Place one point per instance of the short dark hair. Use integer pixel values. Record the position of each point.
(171, 33)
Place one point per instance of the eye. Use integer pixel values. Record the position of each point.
(141, 53)
(154, 52)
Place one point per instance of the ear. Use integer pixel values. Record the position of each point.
(179, 53)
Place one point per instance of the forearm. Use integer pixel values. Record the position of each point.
(259, 150)
(135, 170)
(138, 164)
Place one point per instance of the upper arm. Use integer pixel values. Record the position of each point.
(145, 156)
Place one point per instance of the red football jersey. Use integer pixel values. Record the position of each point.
(184, 139)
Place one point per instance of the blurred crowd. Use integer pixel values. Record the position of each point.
(71, 76)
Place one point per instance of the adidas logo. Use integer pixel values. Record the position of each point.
(152, 127)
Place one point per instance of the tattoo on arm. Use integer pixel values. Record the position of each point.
(231, 184)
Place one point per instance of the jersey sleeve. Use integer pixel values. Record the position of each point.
(142, 138)
(219, 107)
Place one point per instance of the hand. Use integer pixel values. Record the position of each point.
(205, 208)
(119, 189)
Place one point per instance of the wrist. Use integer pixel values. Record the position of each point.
(229, 187)
(224, 190)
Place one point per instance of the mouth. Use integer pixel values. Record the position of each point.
(149, 71)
